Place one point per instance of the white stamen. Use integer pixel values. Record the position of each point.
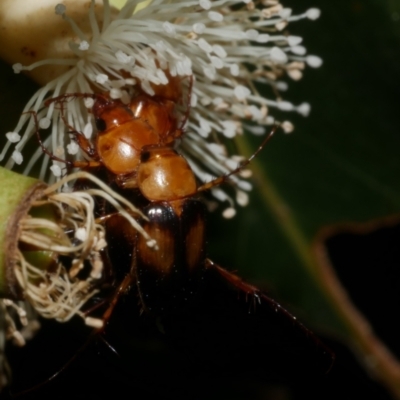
(17, 157)
(254, 112)
(169, 28)
(123, 57)
(205, 126)
(13, 137)
(88, 130)
(287, 126)
(84, 45)
(242, 198)
(219, 51)
(299, 50)
(59, 151)
(234, 69)
(246, 173)
(304, 109)
(115, 93)
(241, 92)
(217, 148)
(199, 28)
(281, 25)
(89, 102)
(229, 128)
(294, 40)
(314, 61)
(44, 123)
(245, 185)
(56, 170)
(125, 98)
(72, 148)
(17, 67)
(285, 13)
(285, 106)
(81, 234)
(313, 13)
(217, 62)
(263, 38)
(215, 16)
(278, 55)
(295, 74)
(101, 78)
(229, 213)
(205, 4)
(282, 86)
(251, 34)
(96, 323)
(60, 9)
(204, 45)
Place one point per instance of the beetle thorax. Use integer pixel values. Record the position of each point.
(164, 175)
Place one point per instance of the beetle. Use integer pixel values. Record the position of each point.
(124, 129)
(134, 145)
(168, 277)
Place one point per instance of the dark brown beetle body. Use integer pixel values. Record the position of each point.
(177, 222)
(134, 145)
(168, 278)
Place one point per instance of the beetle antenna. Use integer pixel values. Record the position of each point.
(44, 148)
(189, 106)
(59, 102)
(223, 178)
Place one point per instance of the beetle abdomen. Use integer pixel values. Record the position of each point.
(168, 277)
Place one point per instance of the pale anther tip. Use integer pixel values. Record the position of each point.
(84, 45)
(89, 102)
(152, 243)
(13, 137)
(304, 109)
(313, 13)
(17, 68)
(205, 4)
(229, 213)
(314, 61)
(60, 9)
(56, 170)
(94, 322)
(44, 123)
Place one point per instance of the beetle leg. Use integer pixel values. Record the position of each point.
(85, 144)
(82, 141)
(41, 144)
(188, 108)
(285, 317)
(122, 288)
(242, 286)
(61, 99)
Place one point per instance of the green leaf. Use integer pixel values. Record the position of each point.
(341, 164)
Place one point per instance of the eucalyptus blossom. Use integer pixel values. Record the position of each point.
(235, 51)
